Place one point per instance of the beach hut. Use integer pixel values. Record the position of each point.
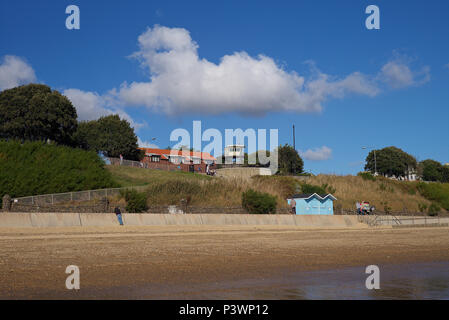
(314, 203)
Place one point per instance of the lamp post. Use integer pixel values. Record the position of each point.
(375, 160)
(294, 148)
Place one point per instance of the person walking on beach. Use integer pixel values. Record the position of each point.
(118, 213)
(293, 206)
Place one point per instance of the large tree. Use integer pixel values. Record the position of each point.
(255, 155)
(431, 170)
(111, 135)
(445, 173)
(390, 161)
(289, 160)
(35, 112)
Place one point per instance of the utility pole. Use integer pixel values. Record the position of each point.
(375, 162)
(294, 146)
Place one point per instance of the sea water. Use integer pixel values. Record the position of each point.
(397, 281)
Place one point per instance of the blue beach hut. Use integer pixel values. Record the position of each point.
(314, 203)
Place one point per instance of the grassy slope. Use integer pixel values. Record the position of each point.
(350, 189)
(129, 176)
(169, 187)
(33, 168)
(400, 196)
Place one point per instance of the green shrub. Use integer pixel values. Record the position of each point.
(367, 176)
(323, 189)
(437, 192)
(434, 209)
(33, 168)
(258, 202)
(136, 202)
(422, 207)
(309, 188)
(328, 189)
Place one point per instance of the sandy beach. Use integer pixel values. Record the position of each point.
(33, 260)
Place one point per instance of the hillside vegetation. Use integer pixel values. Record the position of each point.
(129, 176)
(398, 196)
(33, 168)
(166, 188)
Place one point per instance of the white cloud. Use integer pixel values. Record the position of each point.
(146, 144)
(91, 106)
(14, 72)
(397, 74)
(183, 82)
(317, 154)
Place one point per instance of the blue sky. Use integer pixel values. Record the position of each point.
(251, 64)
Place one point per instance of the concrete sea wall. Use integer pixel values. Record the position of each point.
(32, 219)
(109, 219)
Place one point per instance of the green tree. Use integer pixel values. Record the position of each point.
(34, 112)
(390, 161)
(431, 170)
(445, 174)
(32, 168)
(110, 134)
(289, 160)
(255, 155)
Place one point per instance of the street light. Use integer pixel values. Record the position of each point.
(375, 161)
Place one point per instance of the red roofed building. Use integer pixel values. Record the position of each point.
(190, 161)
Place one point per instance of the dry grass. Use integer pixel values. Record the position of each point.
(399, 195)
(218, 192)
(166, 188)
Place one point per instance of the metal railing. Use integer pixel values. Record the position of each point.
(403, 221)
(128, 163)
(75, 196)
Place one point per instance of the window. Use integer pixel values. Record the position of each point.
(155, 159)
(176, 159)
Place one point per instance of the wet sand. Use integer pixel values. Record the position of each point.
(153, 262)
